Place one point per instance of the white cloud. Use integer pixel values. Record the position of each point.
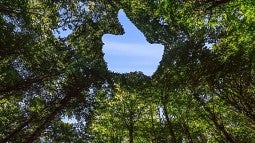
(130, 57)
(133, 49)
(131, 52)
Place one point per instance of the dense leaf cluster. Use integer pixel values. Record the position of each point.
(202, 91)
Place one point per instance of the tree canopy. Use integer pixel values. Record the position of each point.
(202, 91)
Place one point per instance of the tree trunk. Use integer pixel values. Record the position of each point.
(218, 124)
(154, 134)
(131, 134)
(169, 123)
(185, 129)
(131, 127)
(48, 119)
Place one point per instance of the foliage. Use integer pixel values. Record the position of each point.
(202, 91)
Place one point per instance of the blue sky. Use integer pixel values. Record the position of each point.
(131, 52)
